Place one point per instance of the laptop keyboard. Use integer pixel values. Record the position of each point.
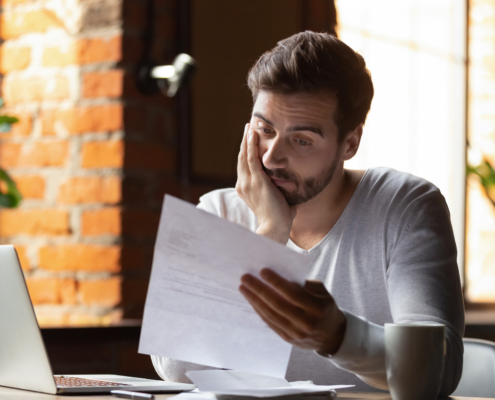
(70, 381)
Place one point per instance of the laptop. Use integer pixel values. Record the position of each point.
(24, 363)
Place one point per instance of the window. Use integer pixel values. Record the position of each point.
(416, 52)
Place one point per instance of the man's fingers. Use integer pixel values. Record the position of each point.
(242, 164)
(293, 292)
(252, 153)
(281, 325)
(315, 287)
(277, 303)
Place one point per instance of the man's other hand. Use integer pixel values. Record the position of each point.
(306, 317)
(255, 187)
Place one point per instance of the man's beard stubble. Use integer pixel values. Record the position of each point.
(306, 189)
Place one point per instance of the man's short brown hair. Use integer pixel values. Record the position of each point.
(311, 62)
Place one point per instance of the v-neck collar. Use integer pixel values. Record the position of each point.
(295, 247)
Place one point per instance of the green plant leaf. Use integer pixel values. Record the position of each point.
(8, 120)
(13, 197)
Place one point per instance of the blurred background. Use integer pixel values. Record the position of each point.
(94, 151)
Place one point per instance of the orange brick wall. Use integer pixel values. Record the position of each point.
(91, 155)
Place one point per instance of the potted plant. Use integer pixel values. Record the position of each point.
(9, 194)
(486, 175)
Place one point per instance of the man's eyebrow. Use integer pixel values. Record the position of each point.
(293, 128)
(258, 115)
(305, 128)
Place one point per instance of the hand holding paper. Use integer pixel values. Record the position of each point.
(194, 311)
(306, 317)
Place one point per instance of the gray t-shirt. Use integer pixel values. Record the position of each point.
(391, 257)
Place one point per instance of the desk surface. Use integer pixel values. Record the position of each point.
(14, 394)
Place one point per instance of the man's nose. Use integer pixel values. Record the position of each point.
(275, 155)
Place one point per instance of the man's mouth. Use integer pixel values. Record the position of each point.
(279, 182)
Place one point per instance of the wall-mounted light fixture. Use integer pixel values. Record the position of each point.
(171, 78)
(150, 77)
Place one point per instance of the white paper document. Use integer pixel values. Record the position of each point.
(194, 311)
(240, 383)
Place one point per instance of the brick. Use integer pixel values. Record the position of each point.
(17, 23)
(138, 223)
(21, 128)
(48, 118)
(103, 84)
(51, 290)
(50, 154)
(102, 292)
(23, 259)
(91, 189)
(101, 14)
(35, 89)
(83, 119)
(99, 50)
(9, 154)
(31, 186)
(80, 257)
(43, 291)
(150, 156)
(34, 222)
(68, 291)
(24, 126)
(103, 154)
(84, 51)
(14, 58)
(106, 221)
(40, 154)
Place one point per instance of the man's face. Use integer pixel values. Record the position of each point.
(298, 142)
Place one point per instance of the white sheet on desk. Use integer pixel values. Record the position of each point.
(194, 311)
(194, 395)
(240, 383)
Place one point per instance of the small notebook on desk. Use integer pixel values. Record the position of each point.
(24, 363)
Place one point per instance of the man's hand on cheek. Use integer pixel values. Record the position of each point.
(306, 317)
(254, 186)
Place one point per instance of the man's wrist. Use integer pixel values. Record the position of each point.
(274, 233)
(337, 340)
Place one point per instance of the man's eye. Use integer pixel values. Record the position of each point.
(302, 142)
(265, 130)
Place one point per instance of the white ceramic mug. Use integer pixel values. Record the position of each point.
(415, 355)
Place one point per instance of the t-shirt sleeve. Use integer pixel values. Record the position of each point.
(175, 370)
(211, 203)
(423, 286)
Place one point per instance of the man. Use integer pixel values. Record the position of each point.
(380, 241)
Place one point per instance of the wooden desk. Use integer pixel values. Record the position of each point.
(14, 394)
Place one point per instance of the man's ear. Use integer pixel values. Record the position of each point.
(351, 143)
